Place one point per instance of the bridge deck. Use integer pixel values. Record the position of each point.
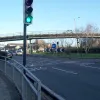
(50, 36)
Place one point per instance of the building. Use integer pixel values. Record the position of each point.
(13, 46)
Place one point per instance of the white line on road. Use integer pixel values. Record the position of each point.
(64, 70)
(32, 65)
(35, 69)
(86, 65)
(93, 67)
(32, 69)
(70, 62)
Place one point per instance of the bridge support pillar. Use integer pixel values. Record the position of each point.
(31, 49)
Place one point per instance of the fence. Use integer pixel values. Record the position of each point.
(29, 86)
(14, 70)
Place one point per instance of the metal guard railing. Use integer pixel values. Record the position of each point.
(29, 86)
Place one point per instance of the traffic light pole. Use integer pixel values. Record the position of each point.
(24, 34)
(27, 16)
(24, 45)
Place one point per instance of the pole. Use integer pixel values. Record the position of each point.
(30, 47)
(24, 46)
(75, 32)
(77, 44)
(24, 34)
(74, 25)
(77, 35)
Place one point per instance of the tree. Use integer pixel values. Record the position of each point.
(68, 42)
(87, 43)
(78, 39)
(41, 43)
(36, 44)
(61, 42)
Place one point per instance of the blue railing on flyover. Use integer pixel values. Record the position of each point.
(29, 86)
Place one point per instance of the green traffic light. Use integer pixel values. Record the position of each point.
(29, 19)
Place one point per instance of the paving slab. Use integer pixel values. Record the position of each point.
(8, 91)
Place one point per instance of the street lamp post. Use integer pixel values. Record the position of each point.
(76, 32)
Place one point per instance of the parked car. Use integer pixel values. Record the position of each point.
(9, 55)
(4, 54)
(13, 52)
(19, 52)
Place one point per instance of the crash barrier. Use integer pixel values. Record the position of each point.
(29, 86)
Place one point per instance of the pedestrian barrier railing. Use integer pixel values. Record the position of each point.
(29, 86)
(15, 72)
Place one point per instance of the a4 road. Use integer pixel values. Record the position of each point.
(71, 79)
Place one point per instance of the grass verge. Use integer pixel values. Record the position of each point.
(72, 55)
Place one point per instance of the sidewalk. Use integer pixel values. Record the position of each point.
(7, 89)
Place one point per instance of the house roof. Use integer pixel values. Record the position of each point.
(14, 44)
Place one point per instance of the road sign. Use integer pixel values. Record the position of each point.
(54, 46)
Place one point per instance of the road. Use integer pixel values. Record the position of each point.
(72, 79)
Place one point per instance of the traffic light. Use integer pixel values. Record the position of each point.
(28, 12)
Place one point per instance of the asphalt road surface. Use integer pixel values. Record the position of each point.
(71, 79)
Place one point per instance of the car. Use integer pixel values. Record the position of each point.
(19, 52)
(13, 52)
(5, 54)
(9, 55)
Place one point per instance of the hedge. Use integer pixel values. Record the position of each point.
(82, 50)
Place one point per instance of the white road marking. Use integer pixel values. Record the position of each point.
(69, 62)
(86, 65)
(32, 69)
(93, 67)
(64, 70)
(90, 63)
(35, 69)
(32, 65)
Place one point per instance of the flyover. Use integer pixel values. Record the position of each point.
(49, 36)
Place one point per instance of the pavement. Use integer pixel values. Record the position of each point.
(7, 89)
(73, 79)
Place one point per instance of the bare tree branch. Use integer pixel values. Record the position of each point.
(87, 43)
(68, 43)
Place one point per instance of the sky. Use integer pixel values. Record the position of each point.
(49, 15)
